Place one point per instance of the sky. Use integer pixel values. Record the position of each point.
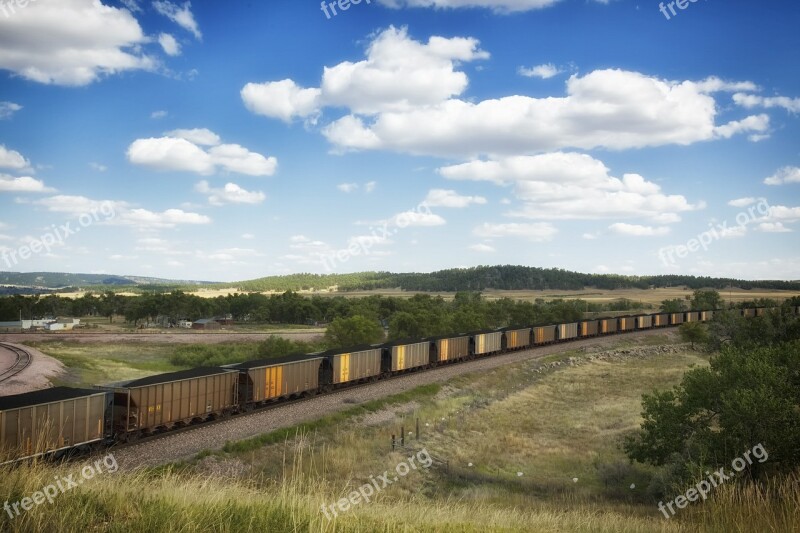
(225, 141)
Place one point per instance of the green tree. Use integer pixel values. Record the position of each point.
(405, 325)
(705, 300)
(748, 396)
(353, 331)
(676, 305)
(693, 332)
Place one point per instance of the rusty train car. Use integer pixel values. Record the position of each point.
(62, 419)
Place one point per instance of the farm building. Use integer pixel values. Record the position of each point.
(206, 324)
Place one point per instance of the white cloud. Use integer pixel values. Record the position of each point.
(98, 167)
(180, 15)
(773, 227)
(449, 198)
(501, 6)
(750, 101)
(248, 236)
(121, 213)
(12, 159)
(757, 123)
(568, 185)
(611, 109)
(540, 231)
(635, 230)
(743, 202)
(347, 187)
(168, 43)
(786, 214)
(179, 151)
(22, 184)
(412, 218)
(71, 42)
(229, 194)
(200, 136)
(784, 175)
(370, 186)
(545, 72)
(398, 74)
(733, 232)
(7, 109)
(482, 248)
(155, 115)
(281, 99)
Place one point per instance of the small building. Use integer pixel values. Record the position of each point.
(226, 320)
(206, 324)
(185, 323)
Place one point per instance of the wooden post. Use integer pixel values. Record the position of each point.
(393, 442)
(402, 436)
(417, 429)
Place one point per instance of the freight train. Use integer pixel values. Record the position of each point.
(63, 420)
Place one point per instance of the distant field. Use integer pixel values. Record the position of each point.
(651, 296)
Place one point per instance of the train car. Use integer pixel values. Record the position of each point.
(676, 319)
(644, 322)
(168, 400)
(516, 338)
(607, 326)
(627, 323)
(264, 380)
(748, 312)
(588, 328)
(487, 342)
(446, 349)
(544, 334)
(760, 311)
(567, 331)
(406, 355)
(692, 316)
(660, 320)
(351, 365)
(52, 421)
(706, 316)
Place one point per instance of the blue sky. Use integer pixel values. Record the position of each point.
(232, 140)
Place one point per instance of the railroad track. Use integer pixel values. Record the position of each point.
(23, 361)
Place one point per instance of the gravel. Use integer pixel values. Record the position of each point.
(186, 444)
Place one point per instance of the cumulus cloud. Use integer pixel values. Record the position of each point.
(449, 198)
(168, 43)
(501, 6)
(412, 218)
(180, 15)
(743, 202)
(7, 109)
(123, 213)
(12, 159)
(229, 194)
(22, 184)
(180, 150)
(71, 42)
(611, 109)
(483, 248)
(782, 176)
(635, 230)
(750, 101)
(347, 187)
(538, 232)
(399, 73)
(773, 227)
(545, 71)
(568, 185)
